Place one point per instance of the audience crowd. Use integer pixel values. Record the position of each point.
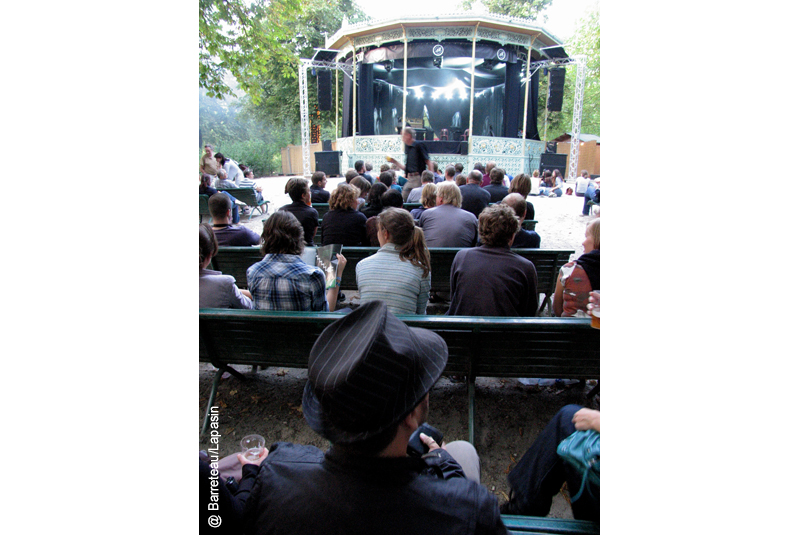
(369, 396)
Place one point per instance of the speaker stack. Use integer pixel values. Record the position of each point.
(324, 90)
(555, 96)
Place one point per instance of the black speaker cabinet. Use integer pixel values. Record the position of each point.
(556, 96)
(553, 161)
(324, 100)
(327, 144)
(328, 162)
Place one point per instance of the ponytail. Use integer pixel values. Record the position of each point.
(407, 237)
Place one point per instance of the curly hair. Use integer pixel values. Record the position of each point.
(282, 234)
(521, 184)
(208, 243)
(343, 197)
(497, 225)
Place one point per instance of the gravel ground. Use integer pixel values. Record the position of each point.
(509, 415)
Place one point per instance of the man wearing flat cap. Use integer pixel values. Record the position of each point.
(369, 375)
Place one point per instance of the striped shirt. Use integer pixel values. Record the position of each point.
(399, 283)
(285, 282)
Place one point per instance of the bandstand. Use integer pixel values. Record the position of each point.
(467, 83)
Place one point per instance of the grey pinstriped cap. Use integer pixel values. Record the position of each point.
(367, 371)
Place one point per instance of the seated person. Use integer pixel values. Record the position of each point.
(490, 280)
(373, 205)
(217, 290)
(400, 272)
(450, 173)
(447, 225)
(230, 506)
(541, 472)
(343, 224)
(428, 200)
(578, 278)
(546, 183)
(416, 193)
(496, 188)
(363, 186)
(558, 184)
(205, 189)
(522, 184)
(349, 175)
(222, 181)
(391, 198)
(366, 482)
(228, 234)
(525, 239)
(318, 192)
(474, 197)
(282, 281)
(460, 180)
(298, 191)
(581, 183)
(592, 193)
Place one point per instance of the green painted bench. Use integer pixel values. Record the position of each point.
(234, 261)
(520, 525)
(248, 197)
(204, 207)
(478, 346)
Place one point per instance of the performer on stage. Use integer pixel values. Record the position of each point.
(417, 160)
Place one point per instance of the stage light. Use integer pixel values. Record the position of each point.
(437, 62)
(388, 65)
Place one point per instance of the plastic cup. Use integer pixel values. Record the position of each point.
(596, 318)
(252, 446)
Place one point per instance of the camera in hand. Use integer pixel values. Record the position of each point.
(418, 448)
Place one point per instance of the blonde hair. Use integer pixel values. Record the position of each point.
(449, 193)
(343, 197)
(428, 197)
(593, 227)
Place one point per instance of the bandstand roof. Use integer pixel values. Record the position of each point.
(491, 27)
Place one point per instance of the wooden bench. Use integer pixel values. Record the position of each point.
(478, 346)
(204, 207)
(520, 525)
(234, 261)
(248, 197)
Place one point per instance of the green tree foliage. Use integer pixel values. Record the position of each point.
(585, 40)
(241, 37)
(528, 9)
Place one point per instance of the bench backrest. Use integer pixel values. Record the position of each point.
(204, 205)
(246, 195)
(477, 346)
(234, 261)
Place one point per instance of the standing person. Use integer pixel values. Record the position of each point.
(343, 224)
(208, 164)
(301, 207)
(490, 280)
(369, 376)
(474, 197)
(577, 279)
(231, 167)
(448, 225)
(417, 160)
(400, 272)
(282, 281)
(228, 234)
(318, 192)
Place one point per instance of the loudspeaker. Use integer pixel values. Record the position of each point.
(328, 162)
(553, 161)
(324, 90)
(556, 95)
(327, 144)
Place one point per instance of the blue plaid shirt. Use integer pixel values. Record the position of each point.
(285, 282)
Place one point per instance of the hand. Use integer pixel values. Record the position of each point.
(391, 160)
(587, 419)
(257, 462)
(594, 301)
(428, 441)
(342, 262)
(258, 189)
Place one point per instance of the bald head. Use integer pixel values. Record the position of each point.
(517, 203)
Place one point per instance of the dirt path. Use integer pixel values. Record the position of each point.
(508, 415)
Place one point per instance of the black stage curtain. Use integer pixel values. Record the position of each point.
(366, 100)
(531, 130)
(513, 100)
(446, 147)
(347, 112)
